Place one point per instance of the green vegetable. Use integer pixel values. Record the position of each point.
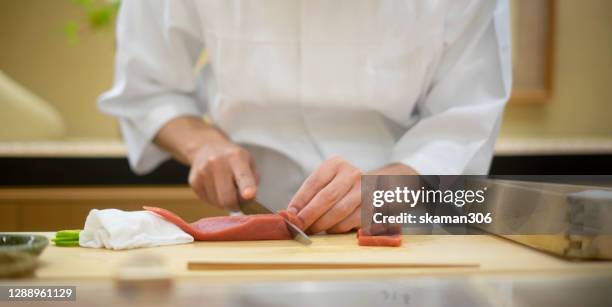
(66, 243)
(68, 234)
(65, 238)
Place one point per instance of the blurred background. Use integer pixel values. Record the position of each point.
(56, 58)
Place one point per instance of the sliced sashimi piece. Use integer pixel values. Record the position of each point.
(379, 240)
(232, 228)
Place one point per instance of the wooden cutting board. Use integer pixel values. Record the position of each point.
(329, 252)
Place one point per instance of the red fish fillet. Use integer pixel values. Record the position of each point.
(234, 228)
(388, 240)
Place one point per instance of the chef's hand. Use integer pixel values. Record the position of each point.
(330, 198)
(222, 173)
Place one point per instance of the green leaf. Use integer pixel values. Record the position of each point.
(96, 15)
(71, 30)
(84, 3)
(100, 17)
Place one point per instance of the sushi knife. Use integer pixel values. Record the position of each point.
(255, 207)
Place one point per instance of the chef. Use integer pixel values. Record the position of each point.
(305, 96)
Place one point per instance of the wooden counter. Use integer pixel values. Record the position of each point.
(55, 208)
(38, 209)
(476, 254)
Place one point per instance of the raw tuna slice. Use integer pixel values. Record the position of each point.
(384, 240)
(233, 228)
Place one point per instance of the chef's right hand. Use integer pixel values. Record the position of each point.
(222, 173)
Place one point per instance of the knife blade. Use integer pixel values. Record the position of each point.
(255, 207)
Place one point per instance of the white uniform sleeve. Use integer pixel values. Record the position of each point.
(461, 113)
(158, 44)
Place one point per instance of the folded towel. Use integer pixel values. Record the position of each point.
(116, 229)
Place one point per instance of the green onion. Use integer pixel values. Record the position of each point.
(66, 243)
(67, 238)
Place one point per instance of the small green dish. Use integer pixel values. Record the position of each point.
(17, 264)
(32, 244)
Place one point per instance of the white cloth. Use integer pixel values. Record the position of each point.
(376, 82)
(117, 229)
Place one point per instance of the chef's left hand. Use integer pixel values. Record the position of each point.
(330, 198)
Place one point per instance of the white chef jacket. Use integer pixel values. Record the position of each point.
(423, 83)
